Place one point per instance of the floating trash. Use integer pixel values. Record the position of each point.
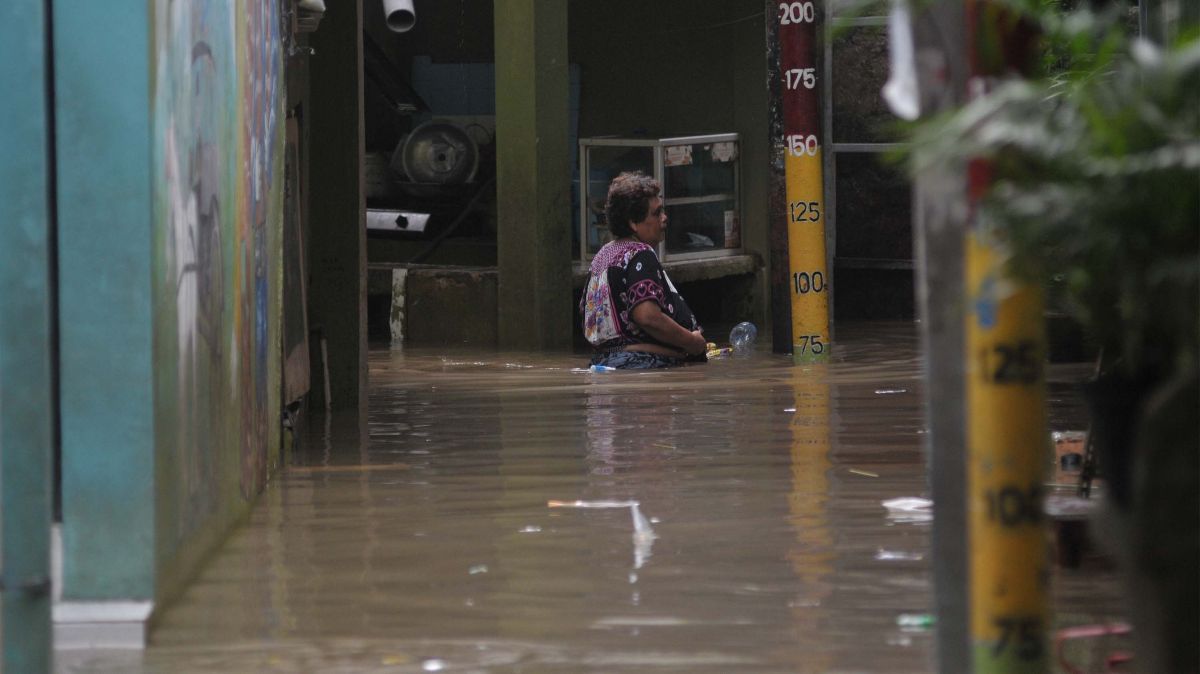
(742, 336)
(477, 569)
(433, 665)
(890, 391)
(898, 556)
(643, 534)
(909, 509)
(864, 473)
(915, 622)
(531, 529)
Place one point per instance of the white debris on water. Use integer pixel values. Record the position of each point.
(909, 509)
(643, 533)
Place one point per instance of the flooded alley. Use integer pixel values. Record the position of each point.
(518, 513)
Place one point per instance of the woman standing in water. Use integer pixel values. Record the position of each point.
(632, 313)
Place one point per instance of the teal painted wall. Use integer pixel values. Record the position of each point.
(26, 349)
(106, 356)
(170, 156)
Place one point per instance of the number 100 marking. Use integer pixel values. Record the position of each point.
(805, 282)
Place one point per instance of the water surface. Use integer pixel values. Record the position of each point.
(434, 547)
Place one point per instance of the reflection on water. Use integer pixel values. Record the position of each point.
(434, 547)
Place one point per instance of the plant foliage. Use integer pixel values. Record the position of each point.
(1096, 165)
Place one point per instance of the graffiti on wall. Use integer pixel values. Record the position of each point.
(218, 104)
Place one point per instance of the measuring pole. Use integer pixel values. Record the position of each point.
(1007, 437)
(1006, 445)
(797, 132)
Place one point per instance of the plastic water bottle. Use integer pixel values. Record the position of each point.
(742, 336)
(602, 368)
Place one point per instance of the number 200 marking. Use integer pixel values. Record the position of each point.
(796, 12)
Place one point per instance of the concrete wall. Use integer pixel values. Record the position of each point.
(27, 413)
(170, 180)
(674, 67)
(670, 67)
(106, 359)
(218, 149)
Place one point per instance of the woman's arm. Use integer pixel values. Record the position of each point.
(650, 317)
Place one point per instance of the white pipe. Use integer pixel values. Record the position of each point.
(401, 16)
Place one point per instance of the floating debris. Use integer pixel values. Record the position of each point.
(915, 622)
(898, 556)
(643, 534)
(359, 468)
(890, 391)
(909, 509)
(477, 569)
(864, 473)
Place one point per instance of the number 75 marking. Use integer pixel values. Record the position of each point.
(810, 343)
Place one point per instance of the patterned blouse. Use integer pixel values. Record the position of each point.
(623, 275)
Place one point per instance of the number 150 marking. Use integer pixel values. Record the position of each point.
(800, 145)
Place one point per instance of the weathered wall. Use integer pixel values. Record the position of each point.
(218, 148)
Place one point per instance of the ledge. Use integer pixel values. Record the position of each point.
(379, 274)
(101, 624)
(686, 271)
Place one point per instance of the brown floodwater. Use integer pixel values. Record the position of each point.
(488, 525)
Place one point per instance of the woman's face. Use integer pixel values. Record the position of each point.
(653, 228)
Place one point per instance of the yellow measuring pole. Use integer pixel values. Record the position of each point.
(806, 251)
(812, 554)
(1007, 443)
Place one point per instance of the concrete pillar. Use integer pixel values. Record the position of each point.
(26, 343)
(337, 250)
(533, 174)
(938, 226)
(105, 231)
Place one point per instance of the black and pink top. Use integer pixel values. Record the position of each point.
(623, 275)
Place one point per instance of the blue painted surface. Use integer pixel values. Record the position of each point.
(102, 68)
(25, 349)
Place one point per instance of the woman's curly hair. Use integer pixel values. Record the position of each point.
(629, 201)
